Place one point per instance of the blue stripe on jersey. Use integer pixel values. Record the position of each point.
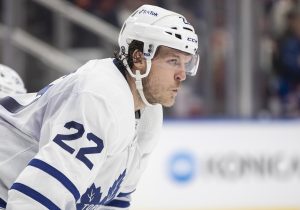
(119, 204)
(2, 203)
(57, 175)
(34, 195)
(124, 194)
(10, 104)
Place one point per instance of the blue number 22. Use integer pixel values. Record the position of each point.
(59, 138)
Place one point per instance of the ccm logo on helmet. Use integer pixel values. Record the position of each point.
(192, 40)
(148, 12)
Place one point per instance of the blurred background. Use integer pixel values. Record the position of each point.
(250, 64)
(248, 83)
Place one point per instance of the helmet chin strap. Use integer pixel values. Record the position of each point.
(139, 87)
(138, 79)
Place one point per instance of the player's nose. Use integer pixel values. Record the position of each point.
(180, 74)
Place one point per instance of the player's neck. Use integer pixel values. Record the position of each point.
(138, 103)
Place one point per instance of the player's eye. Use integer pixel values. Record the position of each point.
(174, 61)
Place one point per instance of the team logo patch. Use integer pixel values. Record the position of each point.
(92, 198)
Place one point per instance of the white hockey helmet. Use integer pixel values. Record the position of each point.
(10, 82)
(155, 26)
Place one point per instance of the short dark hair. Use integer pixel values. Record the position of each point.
(134, 45)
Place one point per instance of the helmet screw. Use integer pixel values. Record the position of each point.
(150, 50)
(123, 49)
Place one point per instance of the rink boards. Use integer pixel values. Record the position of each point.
(223, 165)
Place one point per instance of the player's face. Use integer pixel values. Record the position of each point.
(167, 72)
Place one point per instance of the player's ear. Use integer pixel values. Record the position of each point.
(139, 61)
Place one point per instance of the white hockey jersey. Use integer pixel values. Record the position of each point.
(75, 144)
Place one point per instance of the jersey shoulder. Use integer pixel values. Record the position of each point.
(102, 77)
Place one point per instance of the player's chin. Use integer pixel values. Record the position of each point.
(169, 103)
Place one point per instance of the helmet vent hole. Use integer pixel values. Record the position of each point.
(186, 46)
(187, 28)
(168, 32)
(174, 28)
(178, 36)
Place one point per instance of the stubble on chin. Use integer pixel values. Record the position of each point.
(170, 103)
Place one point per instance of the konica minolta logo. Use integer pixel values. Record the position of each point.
(185, 166)
(182, 166)
(148, 12)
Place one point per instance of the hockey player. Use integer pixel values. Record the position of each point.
(83, 141)
(10, 82)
